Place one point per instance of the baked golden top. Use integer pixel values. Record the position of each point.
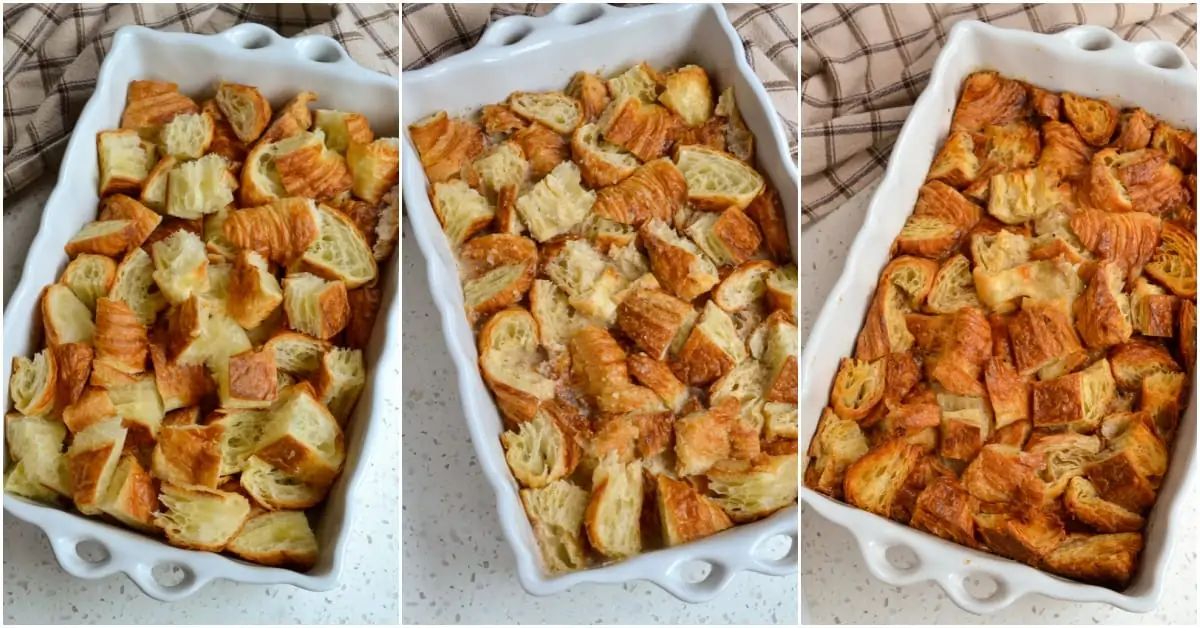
(633, 289)
(1024, 362)
(204, 344)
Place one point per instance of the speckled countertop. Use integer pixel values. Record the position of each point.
(457, 566)
(37, 590)
(835, 582)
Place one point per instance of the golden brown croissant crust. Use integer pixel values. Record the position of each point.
(988, 98)
(446, 145)
(646, 130)
(1035, 420)
(544, 148)
(654, 190)
(279, 232)
(153, 104)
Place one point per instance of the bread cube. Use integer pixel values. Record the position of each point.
(201, 518)
(187, 136)
(302, 438)
(342, 129)
(203, 186)
(125, 161)
(613, 515)
(272, 488)
(279, 539)
(314, 306)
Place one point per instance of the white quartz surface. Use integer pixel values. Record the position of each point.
(37, 590)
(457, 566)
(835, 582)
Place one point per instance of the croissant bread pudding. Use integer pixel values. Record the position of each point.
(204, 346)
(1026, 357)
(631, 280)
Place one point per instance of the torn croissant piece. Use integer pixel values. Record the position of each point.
(1108, 559)
(555, 110)
(509, 360)
(179, 385)
(945, 509)
(484, 253)
(1094, 119)
(120, 339)
(655, 190)
(556, 204)
(767, 212)
(91, 460)
(1102, 312)
(953, 287)
(903, 287)
(702, 438)
(340, 251)
(295, 117)
(1128, 238)
(125, 161)
(941, 218)
(1064, 154)
(500, 120)
(1045, 103)
(143, 220)
(601, 163)
(110, 238)
(254, 293)
(544, 148)
(1025, 536)
(874, 480)
(200, 187)
(1007, 391)
(314, 306)
(646, 130)
(1086, 505)
(497, 289)
(1133, 361)
(34, 383)
(589, 90)
(73, 362)
(302, 439)
(151, 104)
(857, 387)
(655, 321)
(90, 277)
(657, 376)
(374, 167)
(1077, 401)
(988, 99)
(1005, 474)
(836, 444)
(247, 380)
(342, 129)
(1135, 127)
(677, 262)
(956, 163)
(188, 136)
(1140, 181)
(1178, 144)
(247, 110)
(968, 346)
(711, 350)
(309, 168)
(445, 145)
(64, 317)
(280, 231)
(188, 455)
(1019, 196)
(728, 238)
(1152, 310)
(1160, 399)
(1174, 261)
(462, 211)
(717, 180)
(225, 141)
(556, 513)
(1066, 455)
(744, 286)
(1187, 334)
(686, 514)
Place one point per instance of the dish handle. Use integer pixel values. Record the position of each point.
(509, 30)
(1160, 56)
(102, 562)
(966, 585)
(679, 577)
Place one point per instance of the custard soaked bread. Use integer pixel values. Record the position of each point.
(629, 274)
(1022, 369)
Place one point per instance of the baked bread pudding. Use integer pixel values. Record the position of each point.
(1025, 360)
(630, 278)
(203, 347)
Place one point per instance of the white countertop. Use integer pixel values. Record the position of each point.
(457, 566)
(37, 590)
(837, 586)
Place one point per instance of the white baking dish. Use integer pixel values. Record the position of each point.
(1087, 60)
(524, 53)
(280, 68)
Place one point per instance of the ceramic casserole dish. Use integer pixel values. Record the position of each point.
(279, 67)
(1090, 61)
(532, 54)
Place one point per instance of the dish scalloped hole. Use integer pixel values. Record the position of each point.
(902, 558)
(321, 51)
(172, 575)
(583, 13)
(515, 35)
(252, 40)
(774, 548)
(695, 571)
(1094, 40)
(981, 586)
(1160, 55)
(92, 552)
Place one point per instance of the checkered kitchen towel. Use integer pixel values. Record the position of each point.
(435, 31)
(863, 67)
(52, 54)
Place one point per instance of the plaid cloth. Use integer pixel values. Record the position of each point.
(863, 67)
(435, 31)
(52, 54)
